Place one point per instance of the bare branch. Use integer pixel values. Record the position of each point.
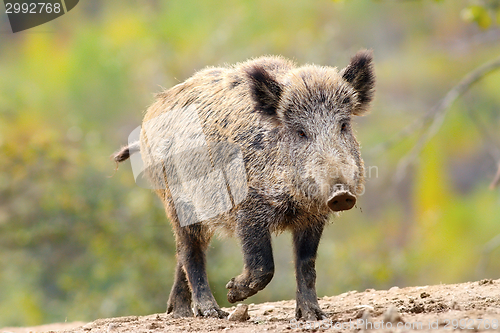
(435, 117)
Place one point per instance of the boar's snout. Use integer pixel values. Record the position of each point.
(342, 199)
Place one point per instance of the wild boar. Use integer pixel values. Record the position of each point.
(251, 149)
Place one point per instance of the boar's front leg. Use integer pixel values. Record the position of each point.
(253, 231)
(192, 242)
(305, 242)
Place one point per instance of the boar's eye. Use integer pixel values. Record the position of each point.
(302, 134)
(343, 127)
(346, 100)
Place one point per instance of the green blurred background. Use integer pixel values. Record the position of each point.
(76, 244)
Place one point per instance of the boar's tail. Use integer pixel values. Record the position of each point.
(124, 153)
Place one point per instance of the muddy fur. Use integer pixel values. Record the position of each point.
(293, 126)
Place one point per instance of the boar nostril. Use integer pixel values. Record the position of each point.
(342, 201)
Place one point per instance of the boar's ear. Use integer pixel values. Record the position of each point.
(265, 91)
(359, 73)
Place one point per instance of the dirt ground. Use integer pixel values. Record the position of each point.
(472, 306)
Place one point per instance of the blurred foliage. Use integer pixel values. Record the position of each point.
(76, 244)
(483, 12)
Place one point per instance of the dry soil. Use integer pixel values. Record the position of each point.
(472, 306)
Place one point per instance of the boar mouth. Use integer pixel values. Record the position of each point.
(342, 199)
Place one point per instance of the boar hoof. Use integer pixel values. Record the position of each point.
(309, 312)
(209, 310)
(181, 313)
(240, 288)
(238, 291)
(179, 310)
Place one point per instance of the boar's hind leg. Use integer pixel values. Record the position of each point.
(192, 241)
(257, 256)
(179, 301)
(305, 244)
